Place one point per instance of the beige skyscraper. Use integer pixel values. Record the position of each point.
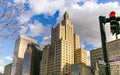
(76, 41)
(20, 47)
(63, 43)
(44, 62)
(60, 55)
(81, 56)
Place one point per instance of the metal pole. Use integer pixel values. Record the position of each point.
(116, 36)
(103, 39)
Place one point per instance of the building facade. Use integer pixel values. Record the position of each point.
(81, 56)
(95, 55)
(50, 66)
(32, 60)
(7, 69)
(81, 69)
(44, 62)
(63, 43)
(59, 56)
(1, 73)
(76, 41)
(20, 48)
(113, 49)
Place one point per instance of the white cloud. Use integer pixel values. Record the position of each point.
(2, 69)
(45, 6)
(86, 22)
(37, 29)
(1, 61)
(23, 29)
(46, 40)
(18, 1)
(25, 17)
(84, 17)
(82, 45)
(1, 65)
(8, 58)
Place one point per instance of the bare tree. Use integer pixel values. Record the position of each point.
(9, 13)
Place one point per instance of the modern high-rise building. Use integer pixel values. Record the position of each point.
(20, 48)
(7, 69)
(59, 56)
(113, 49)
(32, 60)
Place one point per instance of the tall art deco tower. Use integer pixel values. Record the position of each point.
(59, 56)
(63, 43)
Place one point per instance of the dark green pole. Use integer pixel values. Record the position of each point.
(103, 39)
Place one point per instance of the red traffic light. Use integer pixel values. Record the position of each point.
(112, 14)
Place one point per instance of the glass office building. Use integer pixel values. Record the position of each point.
(19, 50)
(32, 59)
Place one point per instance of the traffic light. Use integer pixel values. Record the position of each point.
(114, 24)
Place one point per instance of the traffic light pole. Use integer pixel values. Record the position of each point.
(116, 36)
(103, 39)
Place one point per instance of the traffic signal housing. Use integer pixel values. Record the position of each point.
(114, 24)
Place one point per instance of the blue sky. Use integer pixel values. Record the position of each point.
(43, 15)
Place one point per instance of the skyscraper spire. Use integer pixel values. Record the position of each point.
(66, 16)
